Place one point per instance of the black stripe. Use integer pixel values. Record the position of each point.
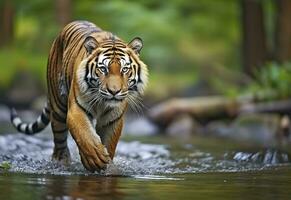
(108, 54)
(92, 66)
(132, 83)
(18, 127)
(110, 48)
(60, 131)
(81, 29)
(97, 57)
(61, 148)
(138, 74)
(69, 34)
(60, 104)
(133, 88)
(102, 61)
(119, 54)
(35, 127)
(59, 118)
(60, 141)
(92, 81)
(87, 71)
(27, 130)
(47, 111)
(44, 119)
(57, 101)
(84, 110)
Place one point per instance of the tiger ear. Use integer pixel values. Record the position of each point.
(136, 44)
(90, 44)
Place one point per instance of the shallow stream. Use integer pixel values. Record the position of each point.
(147, 168)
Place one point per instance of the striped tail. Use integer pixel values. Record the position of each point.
(31, 128)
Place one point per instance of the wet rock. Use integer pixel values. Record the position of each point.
(284, 131)
(256, 127)
(268, 156)
(183, 126)
(262, 128)
(143, 151)
(218, 128)
(140, 126)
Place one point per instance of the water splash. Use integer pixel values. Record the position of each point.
(32, 154)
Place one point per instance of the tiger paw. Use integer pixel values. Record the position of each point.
(94, 156)
(62, 156)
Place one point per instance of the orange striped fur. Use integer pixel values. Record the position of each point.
(92, 77)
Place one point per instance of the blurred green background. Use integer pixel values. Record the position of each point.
(201, 47)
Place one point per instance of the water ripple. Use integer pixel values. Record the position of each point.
(32, 154)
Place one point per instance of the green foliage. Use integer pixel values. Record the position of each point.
(13, 60)
(274, 80)
(180, 36)
(5, 166)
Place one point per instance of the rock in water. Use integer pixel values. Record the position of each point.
(183, 126)
(140, 126)
(256, 127)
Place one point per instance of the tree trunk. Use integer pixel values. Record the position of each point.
(7, 14)
(254, 41)
(283, 32)
(205, 109)
(63, 11)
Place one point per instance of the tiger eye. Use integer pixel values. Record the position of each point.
(125, 69)
(102, 69)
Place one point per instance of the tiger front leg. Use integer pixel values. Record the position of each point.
(94, 154)
(110, 135)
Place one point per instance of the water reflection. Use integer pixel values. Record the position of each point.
(264, 184)
(83, 187)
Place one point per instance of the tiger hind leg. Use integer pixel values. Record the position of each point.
(61, 151)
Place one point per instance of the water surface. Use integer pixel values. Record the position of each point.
(147, 168)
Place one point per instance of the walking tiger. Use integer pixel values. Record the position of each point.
(92, 77)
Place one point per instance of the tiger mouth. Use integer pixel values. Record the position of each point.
(114, 99)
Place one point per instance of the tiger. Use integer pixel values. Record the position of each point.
(93, 76)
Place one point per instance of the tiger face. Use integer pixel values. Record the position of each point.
(113, 72)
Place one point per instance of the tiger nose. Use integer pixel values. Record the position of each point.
(113, 91)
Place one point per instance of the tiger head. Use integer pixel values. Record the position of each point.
(112, 72)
